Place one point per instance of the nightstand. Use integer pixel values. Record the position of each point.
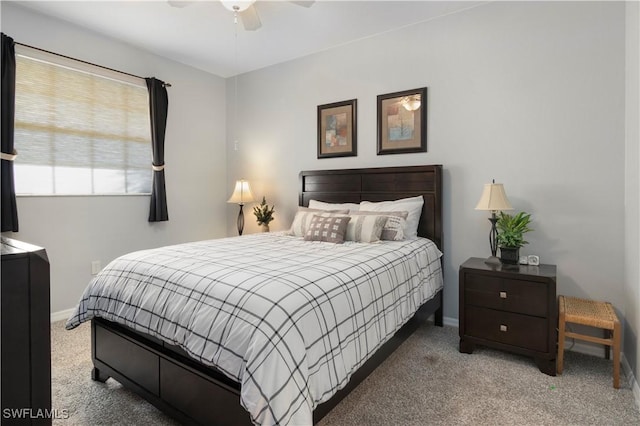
(511, 308)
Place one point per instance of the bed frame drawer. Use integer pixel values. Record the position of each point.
(128, 358)
(204, 401)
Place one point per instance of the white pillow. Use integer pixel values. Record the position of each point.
(321, 205)
(413, 205)
(365, 228)
(303, 218)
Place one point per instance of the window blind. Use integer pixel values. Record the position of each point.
(79, 129)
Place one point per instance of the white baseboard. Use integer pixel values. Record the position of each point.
(633, 383)
(61, 315)
(592, 349)
(452, 322)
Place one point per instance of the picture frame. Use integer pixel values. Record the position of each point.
(402, 122)
(337, 129)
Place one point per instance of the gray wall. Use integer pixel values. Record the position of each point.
(531, 94)
(77, 230)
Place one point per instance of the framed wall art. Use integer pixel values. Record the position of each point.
(402, 122)
(337, 129)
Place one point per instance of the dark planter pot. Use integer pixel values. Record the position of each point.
(509, 255)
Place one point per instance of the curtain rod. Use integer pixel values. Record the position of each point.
(85, 62)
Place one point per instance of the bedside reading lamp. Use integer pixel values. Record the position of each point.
(493, 199)
(241, 195)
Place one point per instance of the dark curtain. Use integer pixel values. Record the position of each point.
(158, 105)
(9, 208)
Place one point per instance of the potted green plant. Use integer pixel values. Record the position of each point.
(264, 214)
(511, 230)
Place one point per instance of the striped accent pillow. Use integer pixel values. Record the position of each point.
(330, 229)
(303, 218)
(365, 228)
(394, 225)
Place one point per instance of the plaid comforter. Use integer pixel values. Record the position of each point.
(289, 319)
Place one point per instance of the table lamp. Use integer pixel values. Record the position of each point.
(493, 199)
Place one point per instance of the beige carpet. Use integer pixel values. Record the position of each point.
(426, 381)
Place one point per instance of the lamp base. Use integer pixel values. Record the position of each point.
(240, 220)
(492, 260)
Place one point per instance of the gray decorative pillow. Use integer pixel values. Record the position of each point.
(364, 228)
(393, 227)
(330, 229)
(303, 218)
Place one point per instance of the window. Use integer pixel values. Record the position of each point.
(79, 129)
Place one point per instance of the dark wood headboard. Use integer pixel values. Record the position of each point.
(380, 184)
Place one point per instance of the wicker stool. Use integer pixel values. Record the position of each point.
(594, 314)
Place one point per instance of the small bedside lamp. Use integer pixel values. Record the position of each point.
(241, 195)
(493, 199)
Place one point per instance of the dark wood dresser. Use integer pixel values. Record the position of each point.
(26, 334)
(509, 307)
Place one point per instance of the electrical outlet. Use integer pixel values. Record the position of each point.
(95, 267)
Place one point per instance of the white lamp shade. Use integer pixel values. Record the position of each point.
(494, 198)
(242, 193)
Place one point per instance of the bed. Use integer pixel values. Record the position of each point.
(178, 377)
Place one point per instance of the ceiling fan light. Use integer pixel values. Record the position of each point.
(237, 5)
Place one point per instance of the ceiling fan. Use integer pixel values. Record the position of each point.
(245, 9)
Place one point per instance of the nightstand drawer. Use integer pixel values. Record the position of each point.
(518, 296)
(512, 329)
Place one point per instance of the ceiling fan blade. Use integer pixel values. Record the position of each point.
(250, 19)
(180, 3)
(304, 3)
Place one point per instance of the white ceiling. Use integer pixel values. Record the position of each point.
(203, 34)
